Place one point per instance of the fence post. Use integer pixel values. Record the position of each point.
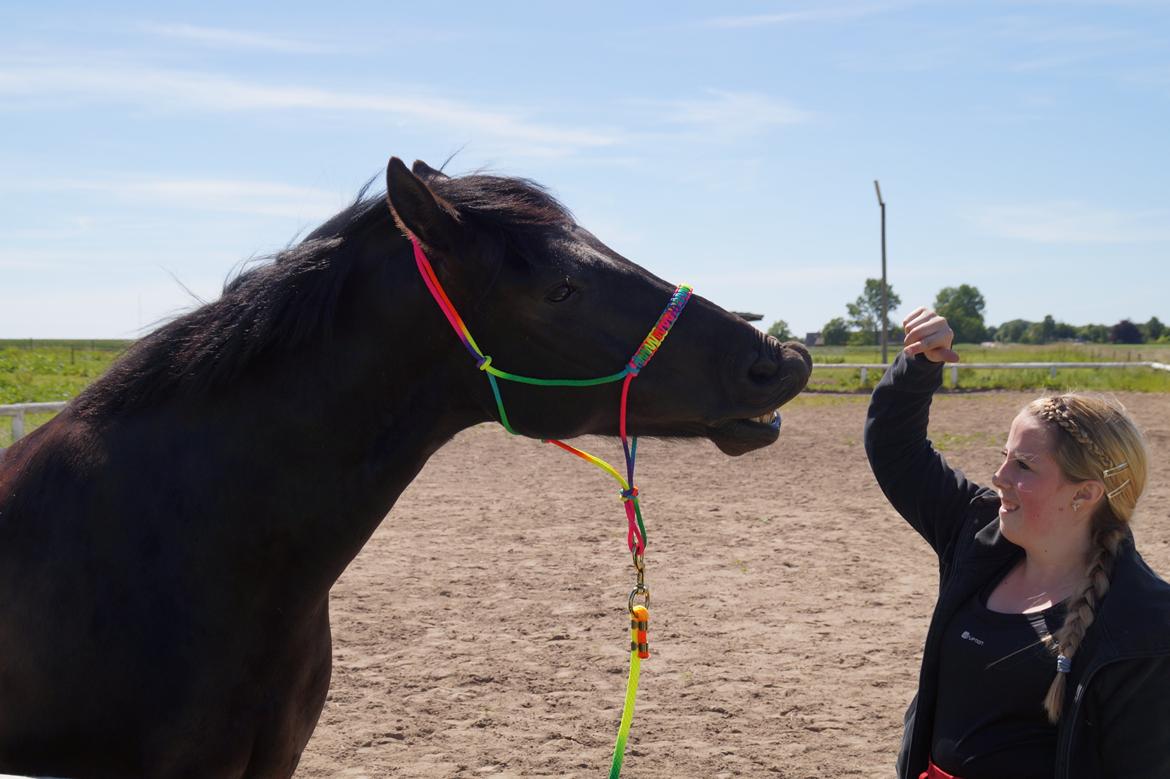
(954, 376)
(1052, 372)
(17, 425)
(864, 375)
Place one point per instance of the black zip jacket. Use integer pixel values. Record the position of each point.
(1116, 719)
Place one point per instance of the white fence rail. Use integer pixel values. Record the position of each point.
(1052, 367)
(18, 410)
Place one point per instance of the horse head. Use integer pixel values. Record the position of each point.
(544, 298)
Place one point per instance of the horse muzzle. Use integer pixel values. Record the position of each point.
(775, 375)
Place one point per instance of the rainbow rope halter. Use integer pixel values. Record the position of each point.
(636, 533)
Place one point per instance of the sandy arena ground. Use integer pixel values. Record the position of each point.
(483, 630)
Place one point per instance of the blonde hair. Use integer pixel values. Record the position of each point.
(1096, 440)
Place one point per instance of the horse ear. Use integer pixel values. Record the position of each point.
(417, 210)
(426, 172)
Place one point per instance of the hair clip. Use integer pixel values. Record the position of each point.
(1063, 664)
(1105, 474)
(1116, 490)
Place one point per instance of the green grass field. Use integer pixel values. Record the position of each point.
(41, 371)
(971, 377)
(1058, 352)
(34, 371)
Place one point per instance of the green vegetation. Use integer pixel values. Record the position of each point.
(117, 346)
(963, 307)
(819, 400)
(972, 377)
(46, 371)
(36, 371)
(945, 442)
(1057, 352)
(779, 330)
(865, 313)
(31, 423)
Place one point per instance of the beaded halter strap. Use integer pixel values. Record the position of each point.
(636, 533)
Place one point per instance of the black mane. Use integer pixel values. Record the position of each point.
(292, 298)
(504, 204)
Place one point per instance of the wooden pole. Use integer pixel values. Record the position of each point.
(885, 302)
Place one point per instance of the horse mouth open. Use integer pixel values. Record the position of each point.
(741, 435)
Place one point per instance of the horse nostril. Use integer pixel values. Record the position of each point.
(771, 359)
(764, 369)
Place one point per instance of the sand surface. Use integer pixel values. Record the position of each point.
(483, 631)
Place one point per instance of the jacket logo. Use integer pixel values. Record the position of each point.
(968, 637)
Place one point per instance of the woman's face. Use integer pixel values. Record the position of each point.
(1035, 498)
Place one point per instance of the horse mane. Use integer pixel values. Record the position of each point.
(500, 203)
(291, 298)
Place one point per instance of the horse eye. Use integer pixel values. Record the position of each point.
(560, 293)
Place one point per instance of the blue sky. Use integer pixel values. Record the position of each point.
(1021, 146)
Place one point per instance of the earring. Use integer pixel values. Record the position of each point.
(1076, 505)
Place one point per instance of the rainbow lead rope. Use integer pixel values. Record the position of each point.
(639, 651)
(636, 531)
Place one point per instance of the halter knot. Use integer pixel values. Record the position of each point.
(630, 494)
(483, 363)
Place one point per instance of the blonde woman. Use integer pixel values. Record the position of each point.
(1049, 650)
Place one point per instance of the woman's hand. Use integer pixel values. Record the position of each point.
(928, 334)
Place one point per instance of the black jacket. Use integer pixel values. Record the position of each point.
(1116, 721)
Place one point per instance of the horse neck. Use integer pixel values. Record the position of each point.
(337, 433)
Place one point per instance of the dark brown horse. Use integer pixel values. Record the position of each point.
(167, 542)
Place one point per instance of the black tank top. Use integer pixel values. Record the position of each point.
(994, 673)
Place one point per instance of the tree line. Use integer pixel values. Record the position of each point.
(963, 307)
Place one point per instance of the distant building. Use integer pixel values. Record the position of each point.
(748, 317)
(813, 339)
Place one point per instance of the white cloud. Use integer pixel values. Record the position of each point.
(1055, 62)
(730, 113)
(184, 91)
(1039, 29)
(117, 263)
(127, 311)
(1157, 77)
(783, 276)
(1073, 222)
(221, 195)
(17, 259)
(832, 14)
(235, 39)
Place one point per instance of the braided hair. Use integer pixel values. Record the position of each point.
(1095, 441)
